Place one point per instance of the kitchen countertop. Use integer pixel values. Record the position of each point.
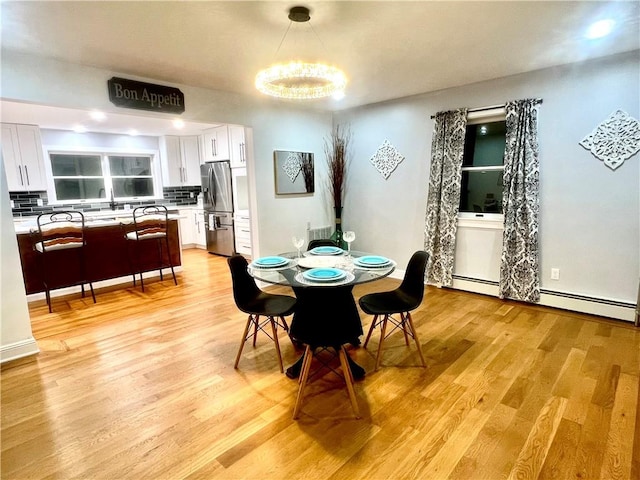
(92, 219)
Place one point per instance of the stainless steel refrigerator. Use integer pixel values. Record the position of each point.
(218, 207)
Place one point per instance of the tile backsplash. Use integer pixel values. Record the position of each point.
(27, 205)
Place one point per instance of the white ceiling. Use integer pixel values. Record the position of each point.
(388, 49)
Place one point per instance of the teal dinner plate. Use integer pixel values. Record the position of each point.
(324, 274)
(328, 250)
(266, 262)
(372, 261)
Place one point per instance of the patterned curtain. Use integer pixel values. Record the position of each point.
(443, 200)
(519, 269)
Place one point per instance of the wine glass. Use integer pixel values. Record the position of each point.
(349, 236)
(298, 242)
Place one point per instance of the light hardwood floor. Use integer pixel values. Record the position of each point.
(142, 386)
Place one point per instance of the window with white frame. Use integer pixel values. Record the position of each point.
(483, 166)
(90, 176)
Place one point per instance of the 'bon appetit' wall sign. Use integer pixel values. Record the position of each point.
(145, 96)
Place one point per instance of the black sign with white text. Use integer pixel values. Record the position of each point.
(145, 96)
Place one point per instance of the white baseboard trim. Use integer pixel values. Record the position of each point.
(565, 301)
(20, 349)
(102, 283)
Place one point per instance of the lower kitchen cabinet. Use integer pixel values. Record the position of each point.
(192, 229)
(242, 230)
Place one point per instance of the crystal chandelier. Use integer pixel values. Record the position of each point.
(300, 80)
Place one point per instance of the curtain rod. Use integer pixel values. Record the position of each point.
(492, 107)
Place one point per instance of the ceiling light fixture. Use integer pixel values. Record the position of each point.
(600, 29)
(97, 115)
(300, 80)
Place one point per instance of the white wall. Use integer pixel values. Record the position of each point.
(16, 339)
(590, 215)
(276, 125)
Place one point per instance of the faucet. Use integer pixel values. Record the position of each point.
(112, 203)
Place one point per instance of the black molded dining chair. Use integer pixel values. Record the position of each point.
(324, 333)
(408, 296)
(250, 299)
(321, 242)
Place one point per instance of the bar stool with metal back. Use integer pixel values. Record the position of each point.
(151, 225)
(58, 234)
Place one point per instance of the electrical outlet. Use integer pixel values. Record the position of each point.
(40, 202)
(13, 205)
(555, 274)
(191, 194)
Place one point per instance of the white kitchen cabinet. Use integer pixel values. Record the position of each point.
(199, 231)
(192, 230)
(215, 144)
(242, 231)
(180, 158)
(186, 226)
(238, 146)
(23, 157)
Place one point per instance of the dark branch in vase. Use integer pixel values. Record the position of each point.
(336, 149)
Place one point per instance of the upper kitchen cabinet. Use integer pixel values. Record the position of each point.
(23, 157)
(238, 146)
(180, 158)
(215, 144)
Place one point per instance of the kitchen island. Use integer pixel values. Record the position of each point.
(106, 255)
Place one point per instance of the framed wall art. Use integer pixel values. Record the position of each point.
(293, 172)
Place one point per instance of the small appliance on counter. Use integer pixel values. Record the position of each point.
(218, 207)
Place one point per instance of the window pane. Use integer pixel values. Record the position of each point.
(484, 144)
(79, 189)
(132, 187)
(63, 164)
(481, 192)
(122, 165)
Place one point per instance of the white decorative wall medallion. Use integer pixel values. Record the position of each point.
(292, 166)
(386, 159)
(615, 140)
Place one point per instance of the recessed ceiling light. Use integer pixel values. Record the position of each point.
(600, 29)
(178, 123)
(97, 115)
(79, 129)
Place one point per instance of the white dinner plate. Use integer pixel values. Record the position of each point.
(319, 261)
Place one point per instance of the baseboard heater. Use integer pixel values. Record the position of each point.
(568, 301)
(320, 233)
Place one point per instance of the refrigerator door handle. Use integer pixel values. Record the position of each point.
(212, 189)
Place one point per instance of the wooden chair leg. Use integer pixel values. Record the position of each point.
(404, 328)
(243, 340)
(305, 359)
(382, 335)
(348, 379)
(373, 324)
(284, 324)
(415, 337)
(255, 328)
(274, 329)
(304, 376)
